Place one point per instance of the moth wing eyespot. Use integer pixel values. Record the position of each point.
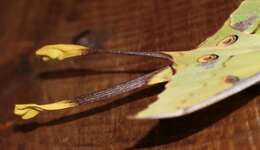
(229, 40)
(207, 58)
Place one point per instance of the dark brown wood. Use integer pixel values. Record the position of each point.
(141, 25)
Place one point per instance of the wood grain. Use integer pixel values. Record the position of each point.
(126, 25)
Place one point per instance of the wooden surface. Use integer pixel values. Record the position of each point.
(123, 24)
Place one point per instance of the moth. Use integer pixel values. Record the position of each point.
(224, 64)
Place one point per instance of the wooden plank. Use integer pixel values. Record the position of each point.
(128, 25)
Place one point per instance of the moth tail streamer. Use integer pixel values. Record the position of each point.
(28, 111)
(63, 51)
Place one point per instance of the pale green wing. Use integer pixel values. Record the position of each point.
(247, 17)
(198, 84)
(227, 36)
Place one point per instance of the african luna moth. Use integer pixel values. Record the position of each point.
(227, 62)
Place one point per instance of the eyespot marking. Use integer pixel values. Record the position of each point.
(229, 40)
(207, 58)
